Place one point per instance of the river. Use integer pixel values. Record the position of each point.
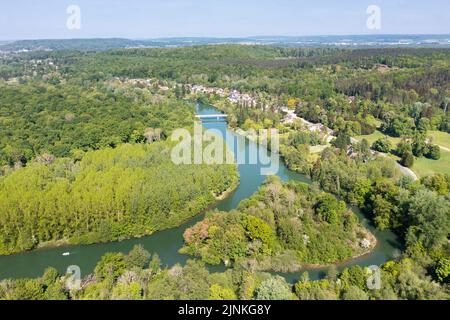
(167, 243)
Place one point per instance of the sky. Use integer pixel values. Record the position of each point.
(144, 19)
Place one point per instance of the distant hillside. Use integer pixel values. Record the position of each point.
(208, 52)
(67, 44)
(358, 41)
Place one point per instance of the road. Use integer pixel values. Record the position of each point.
(404, 170)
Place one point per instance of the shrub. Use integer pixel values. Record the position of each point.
(382, 145)
(407, 159)
(274, 289)
(434, 152)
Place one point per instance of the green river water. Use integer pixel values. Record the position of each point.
(167, 243)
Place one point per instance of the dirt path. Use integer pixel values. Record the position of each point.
(444, 148)
(404, 170)
(407, 171)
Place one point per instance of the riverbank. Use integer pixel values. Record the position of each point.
(290, 264)
(227, 192)
(66, 243)
(293, 265)
(166, 243)
(329, 136)
(196, 206)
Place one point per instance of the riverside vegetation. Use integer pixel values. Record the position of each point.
(281, 227)
(139, 275)
(64, 127)
(110, 194)
(86, 165)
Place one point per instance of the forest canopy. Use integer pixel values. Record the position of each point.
(61, 119)
(111, 194)
(281, 227)
(85, 158)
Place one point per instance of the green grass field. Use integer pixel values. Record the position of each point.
(423, 166)
(440, 138)
(371, 138)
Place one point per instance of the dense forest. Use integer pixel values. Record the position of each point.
(67, 118)
(85, 161)
(85, 158)
(109, 194)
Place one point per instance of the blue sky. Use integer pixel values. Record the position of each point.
(31, 19)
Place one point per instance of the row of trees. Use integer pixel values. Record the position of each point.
(139, 275)
(419, 146)
(111, 194)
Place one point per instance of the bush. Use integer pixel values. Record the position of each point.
(434, 152)
(111, 265)
(354, 293)
(438, 182)
(402, 147)
(329, 209)
(382, 145)
(274, 289)
(407, 159)
(138, 257)
(342, 141)
(443, 270)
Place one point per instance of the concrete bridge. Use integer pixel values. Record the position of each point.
(211, 116)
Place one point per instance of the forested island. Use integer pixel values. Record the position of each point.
(85, 158)
(281, 227)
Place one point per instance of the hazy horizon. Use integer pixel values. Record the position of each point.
(241, 37)
(138, 19)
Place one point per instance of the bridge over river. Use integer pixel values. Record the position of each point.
(167, 243)
(218, 116)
